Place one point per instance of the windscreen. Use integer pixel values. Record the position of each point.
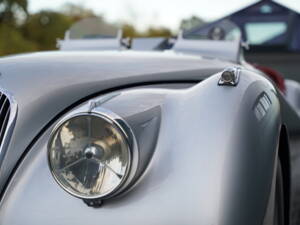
(223, 30)
(93, 28)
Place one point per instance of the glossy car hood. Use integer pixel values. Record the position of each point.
(45, 84)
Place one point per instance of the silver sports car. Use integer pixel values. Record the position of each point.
(156, 131)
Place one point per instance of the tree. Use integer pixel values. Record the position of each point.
(45, 27)
(129, 31)
(11, 9)
(158, 32)
(189, 23)
(77, 12)
(12, 41)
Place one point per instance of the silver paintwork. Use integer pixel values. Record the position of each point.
(72, 76)
(190, 179)
(204, 156)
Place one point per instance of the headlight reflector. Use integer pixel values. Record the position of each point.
(89, 155)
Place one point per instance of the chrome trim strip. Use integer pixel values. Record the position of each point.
(3, 104)
(13, 108)
(4, 126)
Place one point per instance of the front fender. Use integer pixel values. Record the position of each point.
(213, 164)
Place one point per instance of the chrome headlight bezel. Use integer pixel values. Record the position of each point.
(127, 135)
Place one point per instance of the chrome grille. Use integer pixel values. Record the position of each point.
(8, 114)
(4, 115)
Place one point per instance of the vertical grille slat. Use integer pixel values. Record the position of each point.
(4, 115)
(2, 100)
(3, 104)
(4, 125)
(8, 115)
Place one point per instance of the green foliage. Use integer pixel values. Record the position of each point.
(12, 41)
(23, 32)
(158, 32)
(191, 22)
(130, 31)
(45, 27)
(11, 9)
(77, 12)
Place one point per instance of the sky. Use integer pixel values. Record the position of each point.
(145, 13)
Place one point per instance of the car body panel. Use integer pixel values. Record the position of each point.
(213, 155)
(50, 82)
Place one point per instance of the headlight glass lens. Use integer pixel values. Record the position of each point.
(89, 156)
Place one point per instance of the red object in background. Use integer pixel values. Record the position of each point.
(274, 75)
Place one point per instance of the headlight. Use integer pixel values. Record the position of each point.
(90, 155)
